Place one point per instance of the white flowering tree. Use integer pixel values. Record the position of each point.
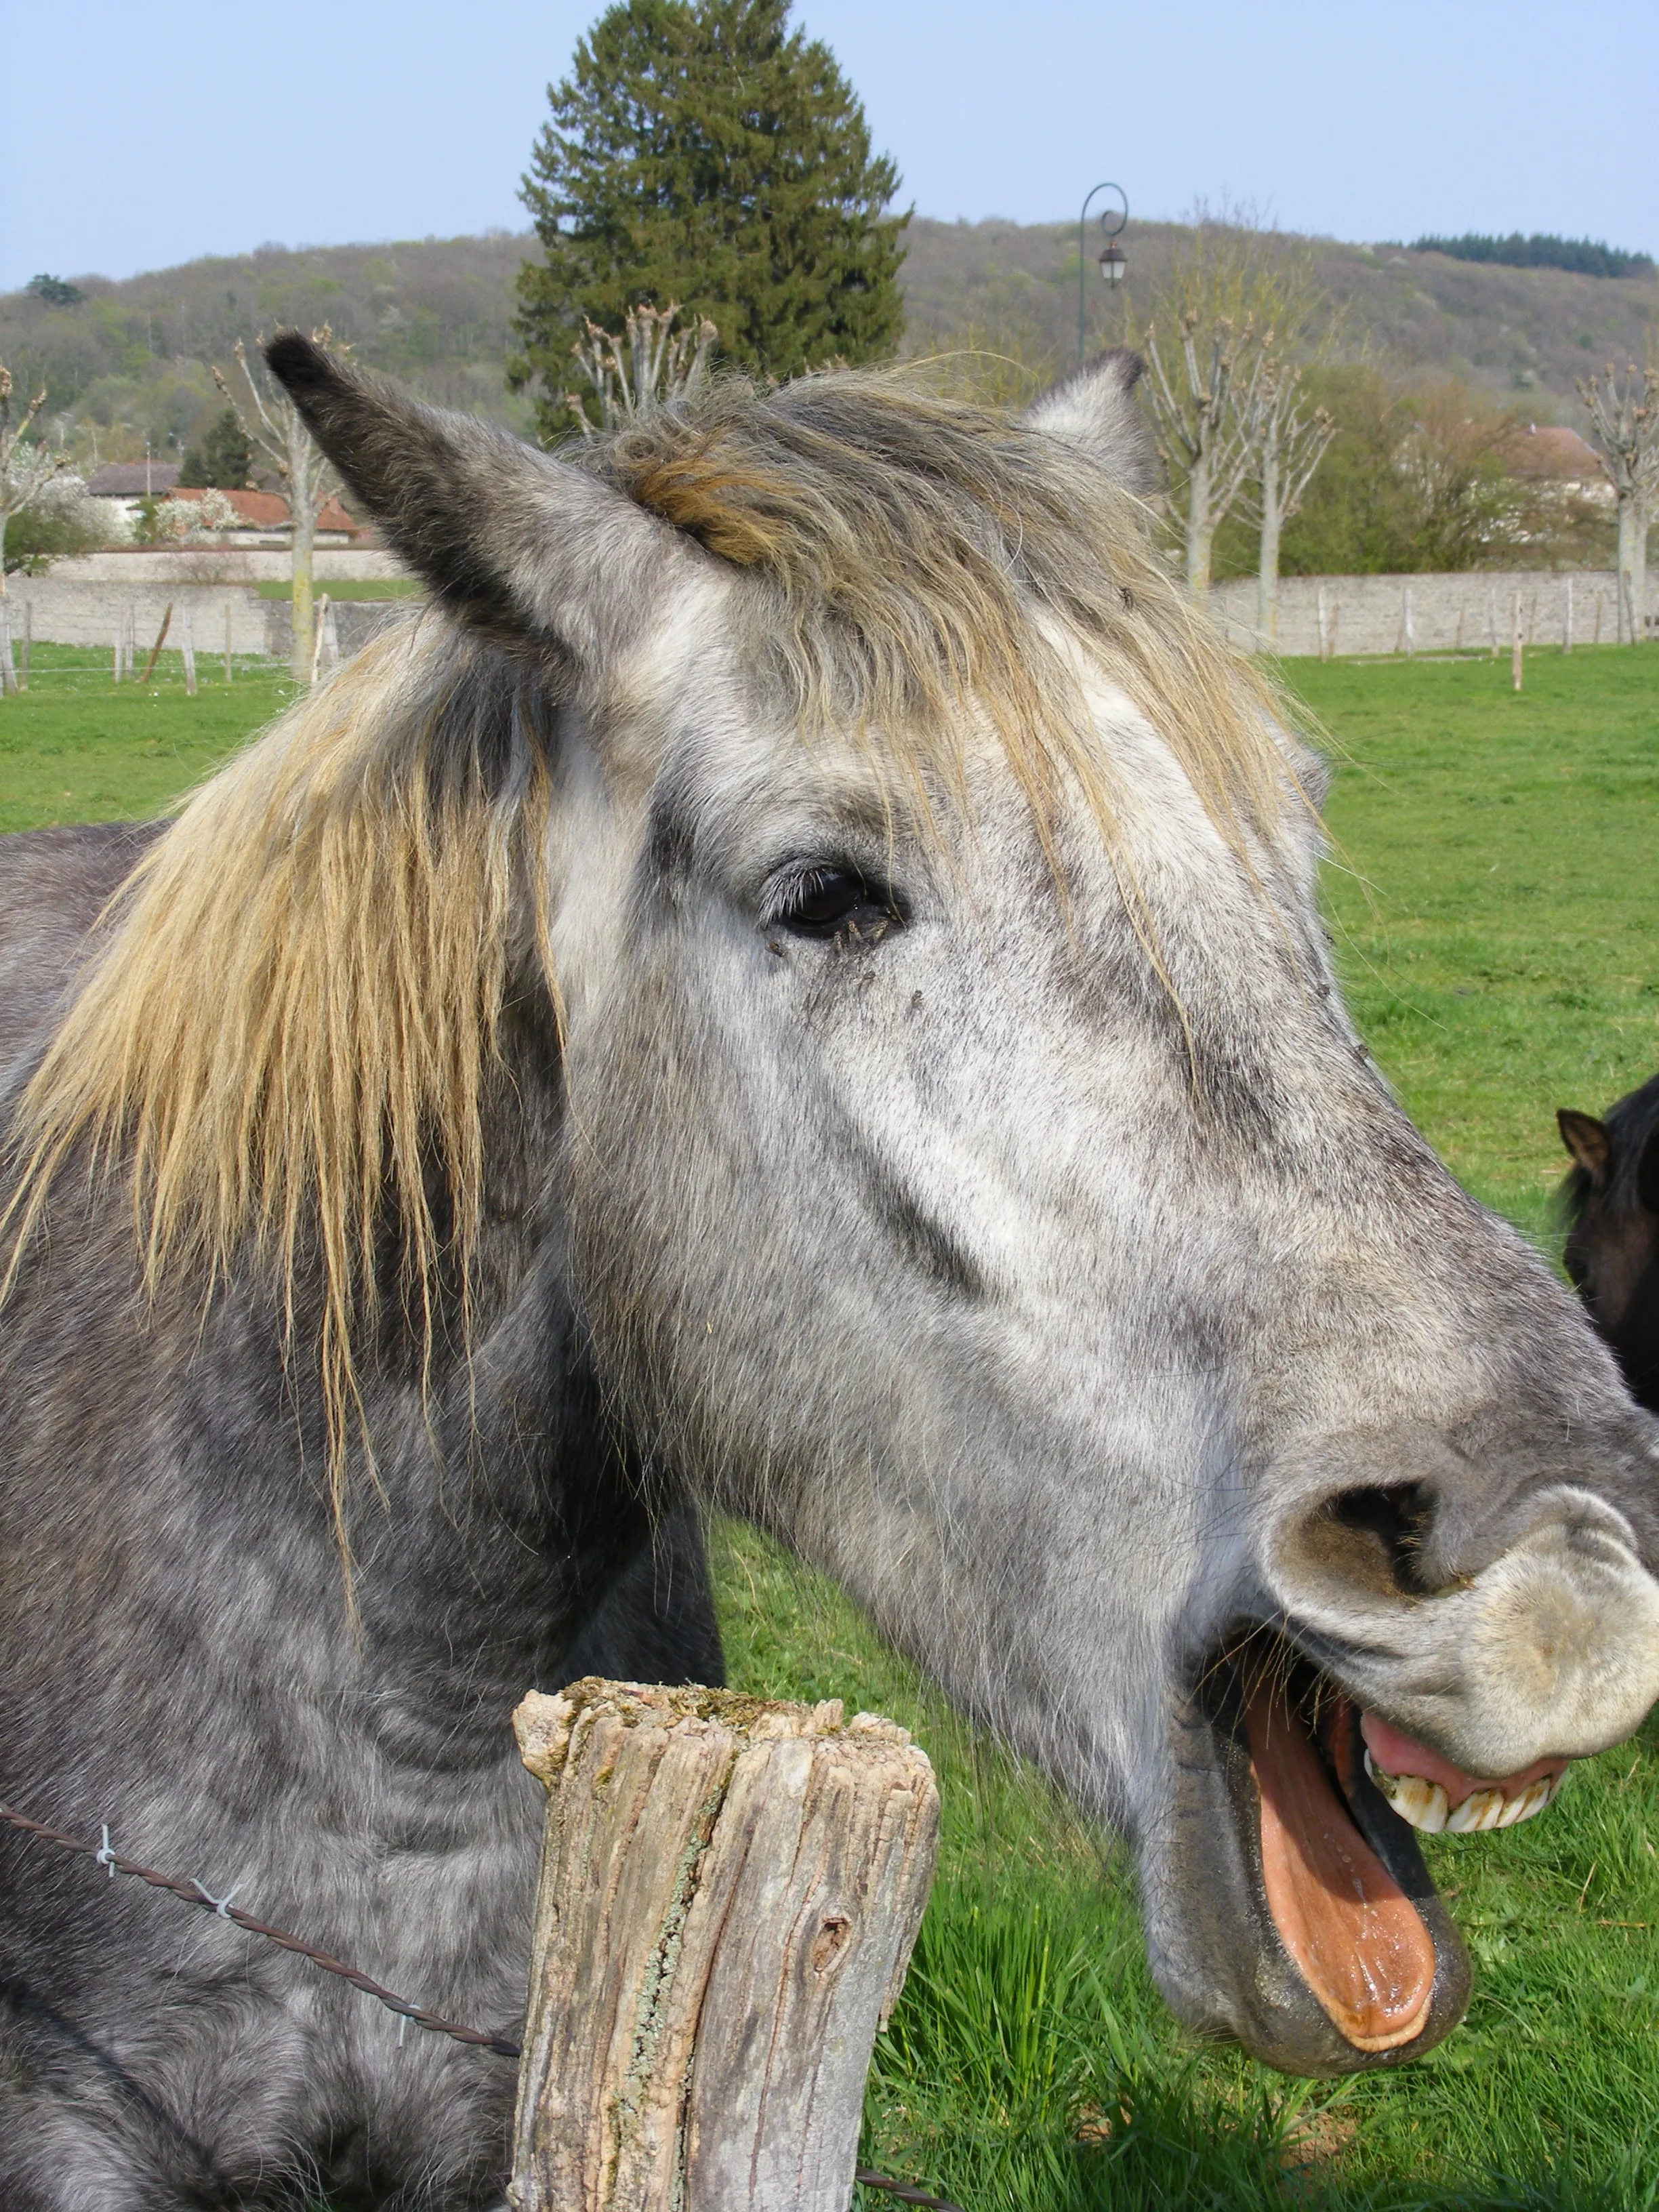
(187, 522)
(272, 425)
(27, 467)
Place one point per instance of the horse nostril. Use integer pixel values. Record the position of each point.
(1374, 1538)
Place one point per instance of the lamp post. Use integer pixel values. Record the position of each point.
(1114, 265)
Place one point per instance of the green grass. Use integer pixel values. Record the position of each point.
(1496, 912)
(369, 587)
(76, 747)
(1499, 934)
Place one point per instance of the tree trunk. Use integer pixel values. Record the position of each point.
(300, 646)
(1201, 528)
(302, 515)
(730, 1890)
(1267, 582)
(1639, 576)
(1627, 578)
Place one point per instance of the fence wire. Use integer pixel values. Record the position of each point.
(193, 1891)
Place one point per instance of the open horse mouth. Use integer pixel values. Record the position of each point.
(1361, 1965)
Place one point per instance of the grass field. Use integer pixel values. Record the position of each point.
(1495, 906)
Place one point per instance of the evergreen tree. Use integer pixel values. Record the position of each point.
(223, 459)
(701, 153)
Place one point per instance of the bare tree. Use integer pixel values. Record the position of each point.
(1234, 321)
(1293, 437)
(650, 365)
(1206, 390)
(1624, 426)
(27, 467)
(272, 425)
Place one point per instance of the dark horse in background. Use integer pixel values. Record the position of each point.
(795, 985)
(1610, 1200)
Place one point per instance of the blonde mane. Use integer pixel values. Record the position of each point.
(911, 554)
(290, 1014)
(291, 1008)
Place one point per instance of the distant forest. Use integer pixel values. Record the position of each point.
(129, 362)
(1585, 257)
(1429, 345)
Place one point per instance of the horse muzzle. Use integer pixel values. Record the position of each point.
(1293, 1910)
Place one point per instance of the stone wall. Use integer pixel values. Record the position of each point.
(1470, 612)
(222, 564)
(356, 621)
(91, 610)
(85, 602)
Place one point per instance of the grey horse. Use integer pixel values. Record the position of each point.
(793, 986)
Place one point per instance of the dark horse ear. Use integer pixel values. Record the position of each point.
(507, 537)
(1096, 408)
(1587, 1139)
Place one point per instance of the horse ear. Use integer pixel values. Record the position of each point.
(1095, 407)
(1587, 1139)
(512, 540)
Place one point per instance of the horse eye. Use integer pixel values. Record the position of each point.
(828, 901)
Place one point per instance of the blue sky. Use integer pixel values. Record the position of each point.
(133, 137)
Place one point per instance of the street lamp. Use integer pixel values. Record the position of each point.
(1113, 263)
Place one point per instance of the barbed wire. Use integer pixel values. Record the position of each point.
(191, 1891)
(905, 2192)
(196, 1894)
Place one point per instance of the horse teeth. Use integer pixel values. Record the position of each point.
(1533, 1799)
(1481, 1808)
(1422, 1804)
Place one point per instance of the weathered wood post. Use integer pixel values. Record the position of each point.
(730, 1890)
(1516, 645)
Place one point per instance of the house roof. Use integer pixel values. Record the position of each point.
(1549, 450)
(132, 479)
(268, 510)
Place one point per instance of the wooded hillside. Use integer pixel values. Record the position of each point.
(436, 314)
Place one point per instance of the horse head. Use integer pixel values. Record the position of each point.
(970, 1172)
(1610, 1202)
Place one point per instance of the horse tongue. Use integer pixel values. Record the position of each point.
(1356, 1937)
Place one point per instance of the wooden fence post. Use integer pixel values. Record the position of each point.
(730, 1890)
(1516, 645)
(161, 639)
